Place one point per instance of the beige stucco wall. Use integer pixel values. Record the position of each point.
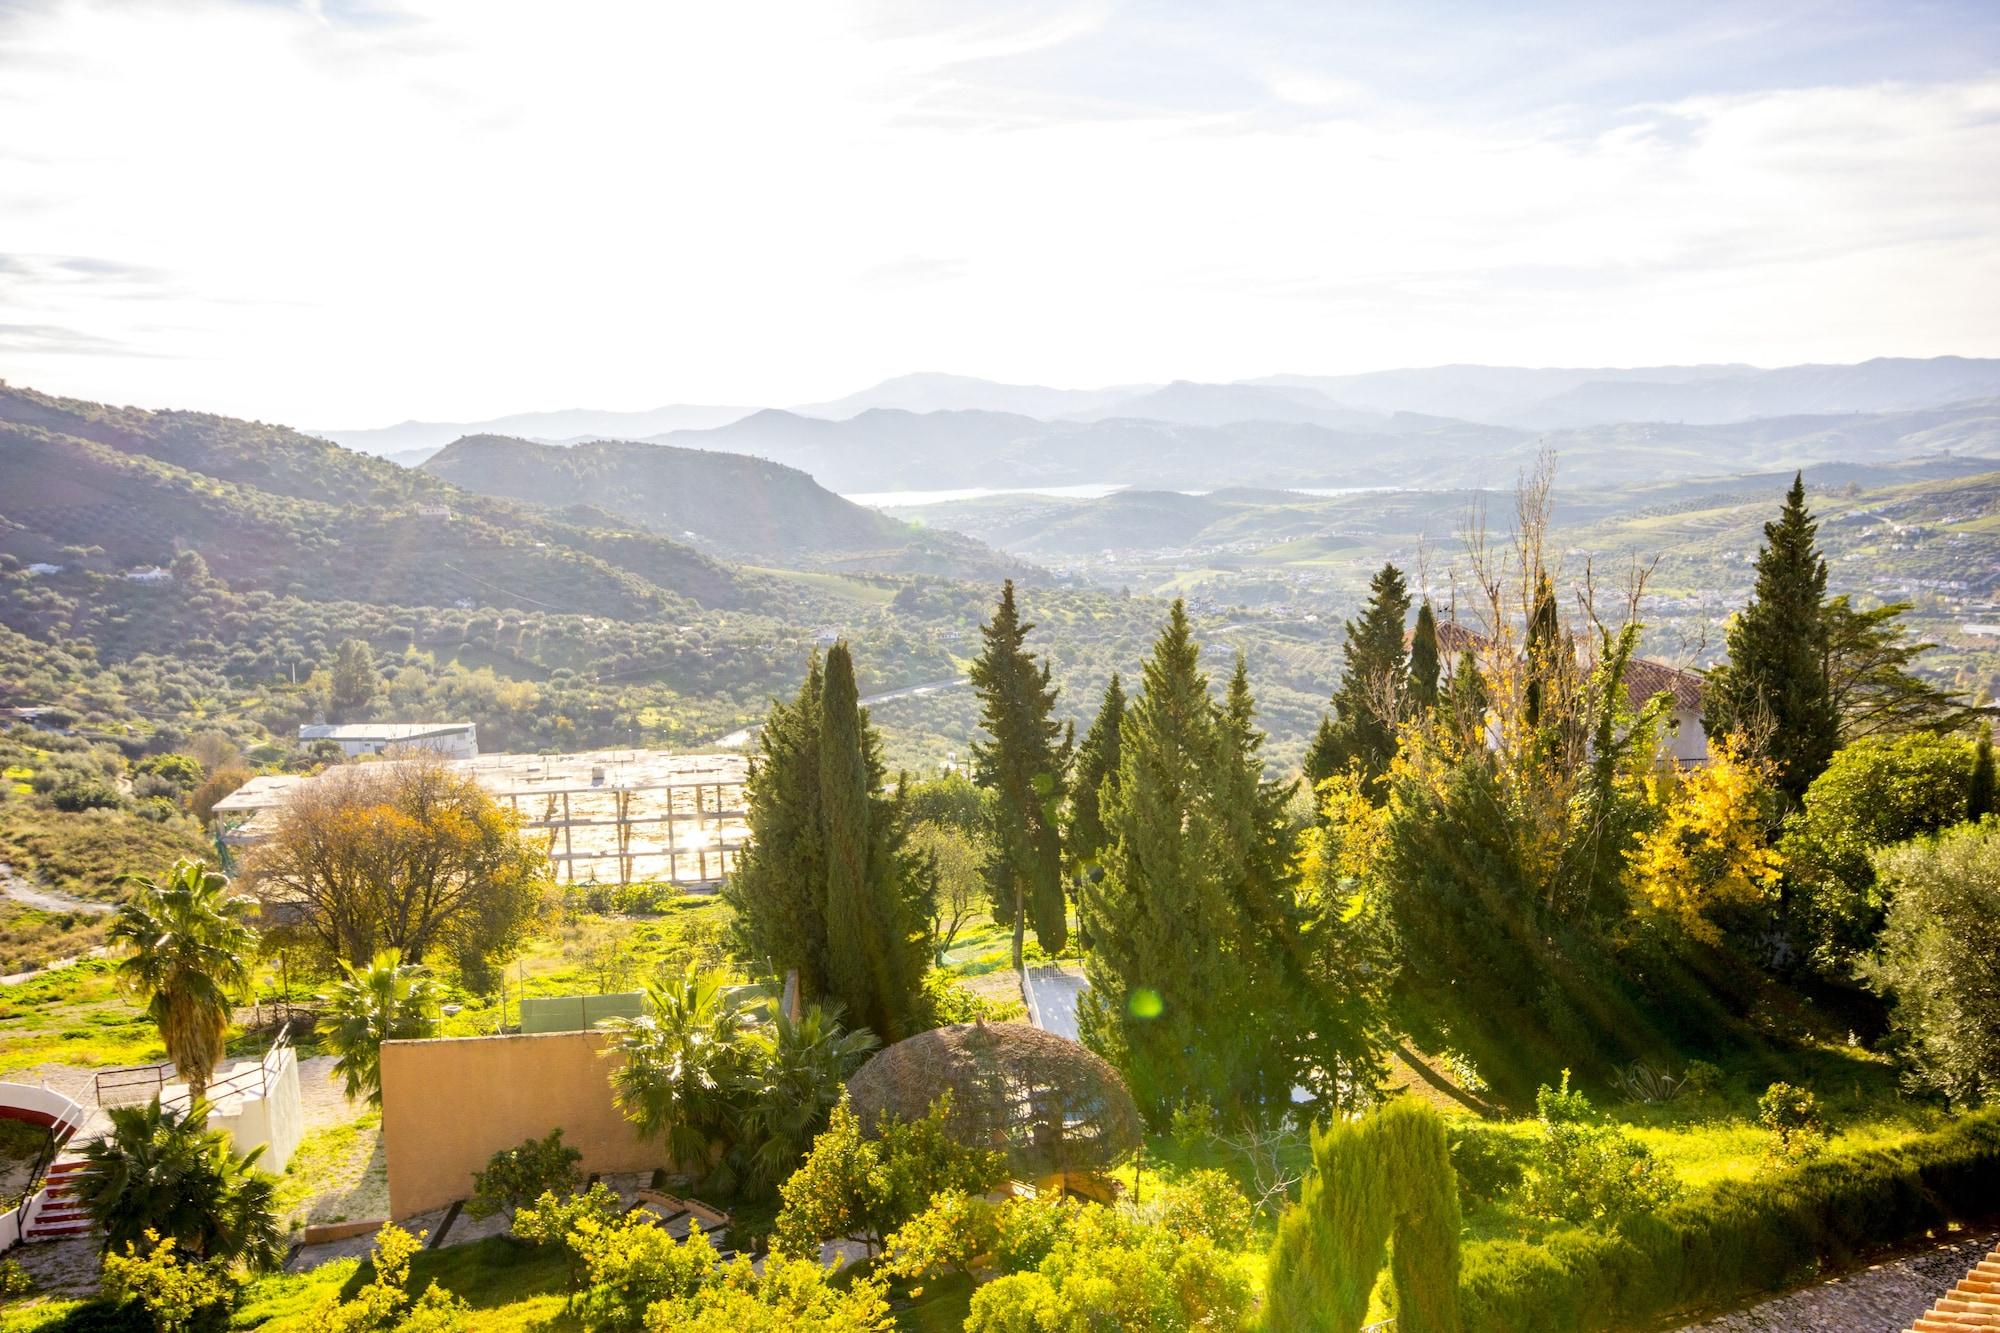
(449, 1104)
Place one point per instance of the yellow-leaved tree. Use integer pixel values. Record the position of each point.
(1708, 852)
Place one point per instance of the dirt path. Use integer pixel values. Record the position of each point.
(45, 900)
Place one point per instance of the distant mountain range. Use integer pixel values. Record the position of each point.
(885, 450)
(1517, 398)
(742, 508)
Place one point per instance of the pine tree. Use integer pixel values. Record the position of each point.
(1463, 698)
(1096, 764)
(1425, 664)
(1369, 701)
(1190, 924)
(354, 678)
(1980, 799)
(1024, 763)
(778, 890)
(875, 942)
(1773, 690)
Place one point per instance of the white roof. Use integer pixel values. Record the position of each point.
(381, 731)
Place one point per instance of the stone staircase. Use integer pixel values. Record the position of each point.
(56, 1213)
(1973, 1306)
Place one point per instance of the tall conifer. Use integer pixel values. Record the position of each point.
(1369, 700)
(875, 951)
(1424, 661)
(779, 886)
(1096, 764)
(1774, 689)
(1025, 763)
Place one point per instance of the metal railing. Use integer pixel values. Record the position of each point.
(143, 1083)
(61, 1130)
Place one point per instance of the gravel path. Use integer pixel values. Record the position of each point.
(1886, 1298)
(46, 900)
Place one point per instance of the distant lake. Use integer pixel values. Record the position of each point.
(1094, 491)
(896, 499)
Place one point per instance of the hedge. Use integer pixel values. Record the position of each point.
(1735, 1239)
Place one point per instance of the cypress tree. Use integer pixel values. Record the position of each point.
(1545, 649)
(875, 949)
(778, 889)
(1979, 800)
(1424, 662)
(1024, 763)
(1096, 764)
(1773, 689)
(1368, 702)
(1151, 918)
(1464, 697)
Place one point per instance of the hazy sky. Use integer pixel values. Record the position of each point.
(343, 214)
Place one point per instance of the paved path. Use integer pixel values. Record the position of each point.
(1886, 1298)
(1052, 996)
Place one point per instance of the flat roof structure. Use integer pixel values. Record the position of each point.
(610, 816)
(386, 733)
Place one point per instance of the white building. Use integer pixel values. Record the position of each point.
(453, 740)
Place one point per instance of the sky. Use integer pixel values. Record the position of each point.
(342, 214)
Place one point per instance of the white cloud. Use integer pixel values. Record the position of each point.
(473, 207)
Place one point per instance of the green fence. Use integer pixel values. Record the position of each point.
(576, 1013)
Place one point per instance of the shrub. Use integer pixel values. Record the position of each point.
(1734, 1239)
(385, 1304)
(86, 794)
(633, 1263)
(1109, 1269)
(789, 1295)
(1583, 1170)
(851, 1185)
(1648, 1084)
(1388, 1174)
(1193, 1125)
(1026, 1229)
(1204, 1203)
(1941, 960)
(954, 1231)
(1488, 1161)
(1791, 1114)
(175, 1292)
(1700, 1078)
(513, 1176)
(14, 1280)
(557, 1220)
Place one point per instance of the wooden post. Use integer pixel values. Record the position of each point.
(569, 846)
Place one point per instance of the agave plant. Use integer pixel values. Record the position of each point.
(1648, 1083)
(190, 952)
(383, 1000)
(166, 1171)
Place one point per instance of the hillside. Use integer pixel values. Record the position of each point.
(271, 508)
(741, 507)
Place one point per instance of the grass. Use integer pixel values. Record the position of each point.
(337, 1174)
(74, 1016)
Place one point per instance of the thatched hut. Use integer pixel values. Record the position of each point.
(1054, 1108)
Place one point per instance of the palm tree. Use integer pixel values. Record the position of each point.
(165, 1170)
(382, 1000)
(190, 953)
(795, 1086)
(685, 1061)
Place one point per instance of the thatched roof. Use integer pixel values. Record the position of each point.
(1046, 1101)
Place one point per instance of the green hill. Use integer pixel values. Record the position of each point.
(738, 506)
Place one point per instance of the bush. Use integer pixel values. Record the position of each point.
(14, 1280)
(1791, 1114)
(1700, 1078)
(1204, 1203)
(86, 794)
(953, 1232)
(1108, 1268)
(513, 1176)
(176, 1293)
(1940, 958)
(1732, 1240)
(1025, 1230)
(788, 1296)
(384, 1305)
(632, 1264)
(1489, 1162)
(559, 1220)
(1193, 1125)
(1583, 1170)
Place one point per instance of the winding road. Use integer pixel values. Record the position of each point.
(44, 900)
(739, 738)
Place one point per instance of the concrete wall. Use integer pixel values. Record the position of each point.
(275, 1121)
(449, 1104)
